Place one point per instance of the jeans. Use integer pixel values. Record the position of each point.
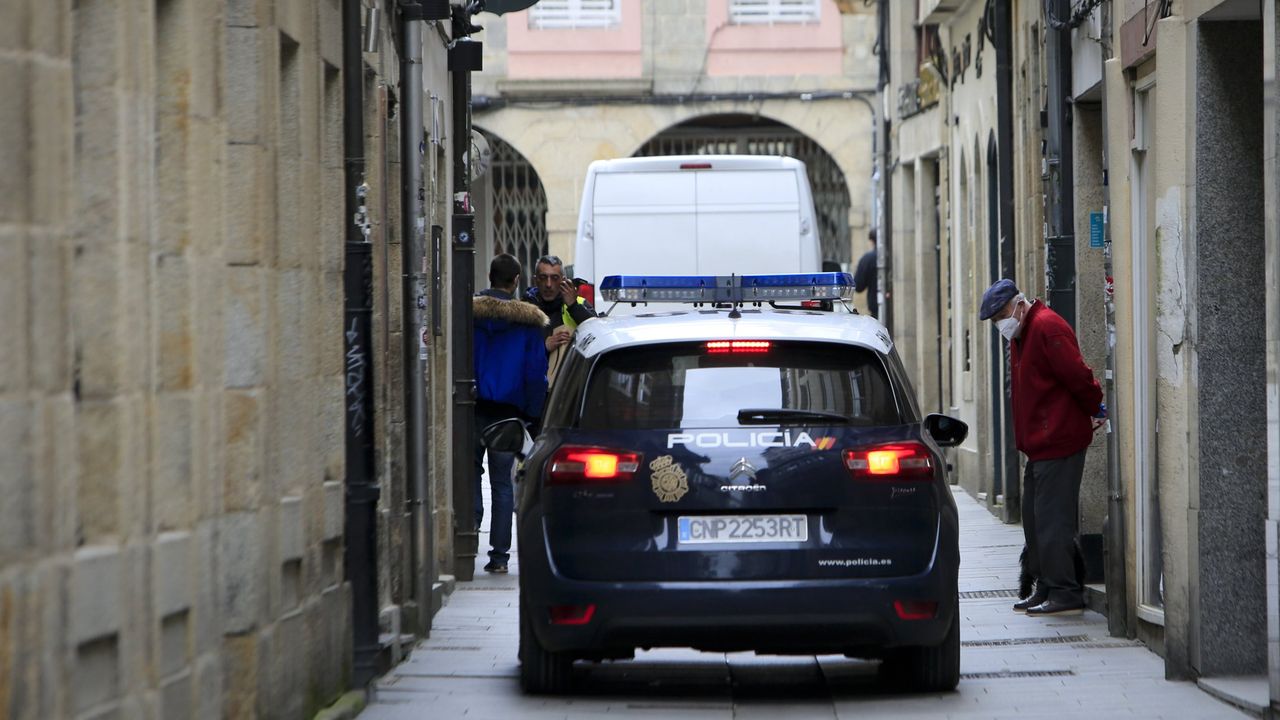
(502, 487)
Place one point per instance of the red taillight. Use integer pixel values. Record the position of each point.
(812, 304)
(572, 614)
(695, 166)
(890, 462)
(916, 609)
(587, 292)
(738, 346)
(585, 465)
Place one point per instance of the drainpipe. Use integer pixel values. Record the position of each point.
(1004, 159)
(1113, 525)
(1060, 250)
(360, 561)
(413, 303)
(464, 57)
(884, 233)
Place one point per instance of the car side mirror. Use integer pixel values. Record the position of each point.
(945, 430)
(506, 436)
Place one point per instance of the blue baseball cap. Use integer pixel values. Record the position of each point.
(996, 297)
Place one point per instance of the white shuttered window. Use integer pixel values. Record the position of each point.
(760, 12)
(560, 14)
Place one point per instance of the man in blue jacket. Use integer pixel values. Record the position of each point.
(511, 382)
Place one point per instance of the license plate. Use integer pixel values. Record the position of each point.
(743, 529)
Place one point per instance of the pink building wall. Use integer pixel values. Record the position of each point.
(772, 50)
(733, 50)
(576, 53)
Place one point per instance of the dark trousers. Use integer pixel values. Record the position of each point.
(1050, 513)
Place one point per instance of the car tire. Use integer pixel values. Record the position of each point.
(926, 669)
(542, 672)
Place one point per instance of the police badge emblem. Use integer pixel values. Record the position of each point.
(669, 481)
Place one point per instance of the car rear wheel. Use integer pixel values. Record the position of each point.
(542, 672)
(926, 669)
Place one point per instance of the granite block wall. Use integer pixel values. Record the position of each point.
(1229, 505)
(169, 233)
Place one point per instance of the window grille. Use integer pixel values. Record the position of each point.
(518, 206)
(570, 14)
(769, 12)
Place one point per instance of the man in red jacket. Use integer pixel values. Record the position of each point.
(1057, 406)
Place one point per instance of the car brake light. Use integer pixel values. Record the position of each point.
(584, 465)
(695, 166)
(716, 347)
(572, 614)
(916, 609)
(890, 462)
(587, 292)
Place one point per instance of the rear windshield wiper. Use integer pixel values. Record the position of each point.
(767, 416)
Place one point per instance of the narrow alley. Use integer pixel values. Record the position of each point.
(1012, 666)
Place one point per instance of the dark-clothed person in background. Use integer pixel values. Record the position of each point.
(557, 296)
(511, 382)
(1057, 406)
(866, 277)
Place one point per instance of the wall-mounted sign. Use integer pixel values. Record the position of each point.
(1095, 230)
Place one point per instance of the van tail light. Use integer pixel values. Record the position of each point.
(587, 292)
(580, 465)
(894, 461)
(573, 614)
(916, 609)
(695, 166)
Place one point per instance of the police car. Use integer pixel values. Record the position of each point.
(742, 465)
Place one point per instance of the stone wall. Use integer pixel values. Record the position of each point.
(409, 590)
(1228, 505)
(171, 396)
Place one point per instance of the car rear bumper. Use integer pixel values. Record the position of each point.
(846, 616)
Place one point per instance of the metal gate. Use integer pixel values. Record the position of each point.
(744, 135)
(517, 205)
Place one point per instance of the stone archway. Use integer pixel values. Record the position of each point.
(512, 203)
(740, 134)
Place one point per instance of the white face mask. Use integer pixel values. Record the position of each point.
(1007, 327)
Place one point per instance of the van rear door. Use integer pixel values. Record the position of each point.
(748, 222)
(645, 223)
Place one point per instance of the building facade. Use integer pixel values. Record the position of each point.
(176, 386)
(1164, 158)
(1187, 193)
(566, 83)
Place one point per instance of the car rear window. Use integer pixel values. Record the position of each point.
(687, 385)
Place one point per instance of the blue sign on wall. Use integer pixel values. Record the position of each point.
(1095, 229)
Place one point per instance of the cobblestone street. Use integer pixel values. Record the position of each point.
(1013, 666)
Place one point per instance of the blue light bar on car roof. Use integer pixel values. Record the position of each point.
(727, 289)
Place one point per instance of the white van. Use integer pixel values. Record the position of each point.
(696, 215)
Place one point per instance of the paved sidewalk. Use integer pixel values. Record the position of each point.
(1012, 666)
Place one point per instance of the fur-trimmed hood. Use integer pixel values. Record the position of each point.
(516, 312)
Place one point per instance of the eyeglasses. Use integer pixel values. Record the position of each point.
(543, 277)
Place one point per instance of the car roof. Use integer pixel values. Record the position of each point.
(679, 323)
